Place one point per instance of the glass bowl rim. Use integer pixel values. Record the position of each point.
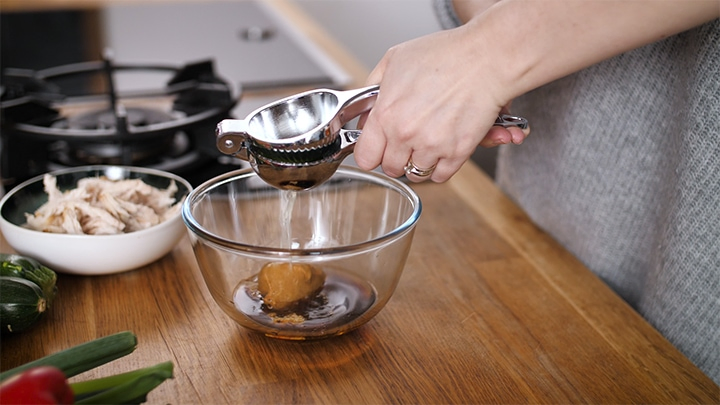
(357, 173)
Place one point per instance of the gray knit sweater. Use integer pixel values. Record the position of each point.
(623, 169)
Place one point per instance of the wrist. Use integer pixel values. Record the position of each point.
(499, 69)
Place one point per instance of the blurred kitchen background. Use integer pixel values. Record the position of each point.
(249, 45)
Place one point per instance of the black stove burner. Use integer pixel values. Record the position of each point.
(107, 119)
(45, 127)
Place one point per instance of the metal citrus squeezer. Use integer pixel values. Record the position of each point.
(298, 142)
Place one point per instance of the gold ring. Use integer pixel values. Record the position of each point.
(410, 168)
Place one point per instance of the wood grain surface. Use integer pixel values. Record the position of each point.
(488, 310)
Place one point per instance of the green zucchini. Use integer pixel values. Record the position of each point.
(32, 270)
(22, 303)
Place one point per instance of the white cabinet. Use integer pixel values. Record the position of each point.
(367, 28)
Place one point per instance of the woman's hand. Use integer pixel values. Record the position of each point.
(432, 107)
(440, 94)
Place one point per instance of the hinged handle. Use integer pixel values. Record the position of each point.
(231, 138)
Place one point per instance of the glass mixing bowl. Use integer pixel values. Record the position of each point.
(336, 251)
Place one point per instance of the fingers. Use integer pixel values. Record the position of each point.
(417, 152)
(501, 136)
(416, 170)
(420, 154)
(371, 145)
(439, 172)
(426, 126)
(395, 162)
(376, 75)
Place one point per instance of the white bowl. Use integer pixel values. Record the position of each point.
(90, 254)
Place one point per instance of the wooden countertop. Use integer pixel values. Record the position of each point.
(489, 309)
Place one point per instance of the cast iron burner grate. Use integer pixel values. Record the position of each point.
(104, 119)
(171, 127)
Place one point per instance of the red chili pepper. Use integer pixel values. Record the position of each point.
(37, 386)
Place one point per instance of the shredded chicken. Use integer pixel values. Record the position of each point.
(99, 206)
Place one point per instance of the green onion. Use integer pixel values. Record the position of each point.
(126, 388)
(83, 357)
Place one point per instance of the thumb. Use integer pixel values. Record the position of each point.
(375, 77)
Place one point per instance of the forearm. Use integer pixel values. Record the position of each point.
(442, 92)
(467, 9)
(539, 41)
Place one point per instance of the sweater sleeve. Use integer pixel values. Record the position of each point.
(445, 13)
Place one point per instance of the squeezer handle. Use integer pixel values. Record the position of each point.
(362, 100)
(505, 121)
(231, 138)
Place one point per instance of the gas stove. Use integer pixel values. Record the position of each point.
(159, 113)
(169, 127)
